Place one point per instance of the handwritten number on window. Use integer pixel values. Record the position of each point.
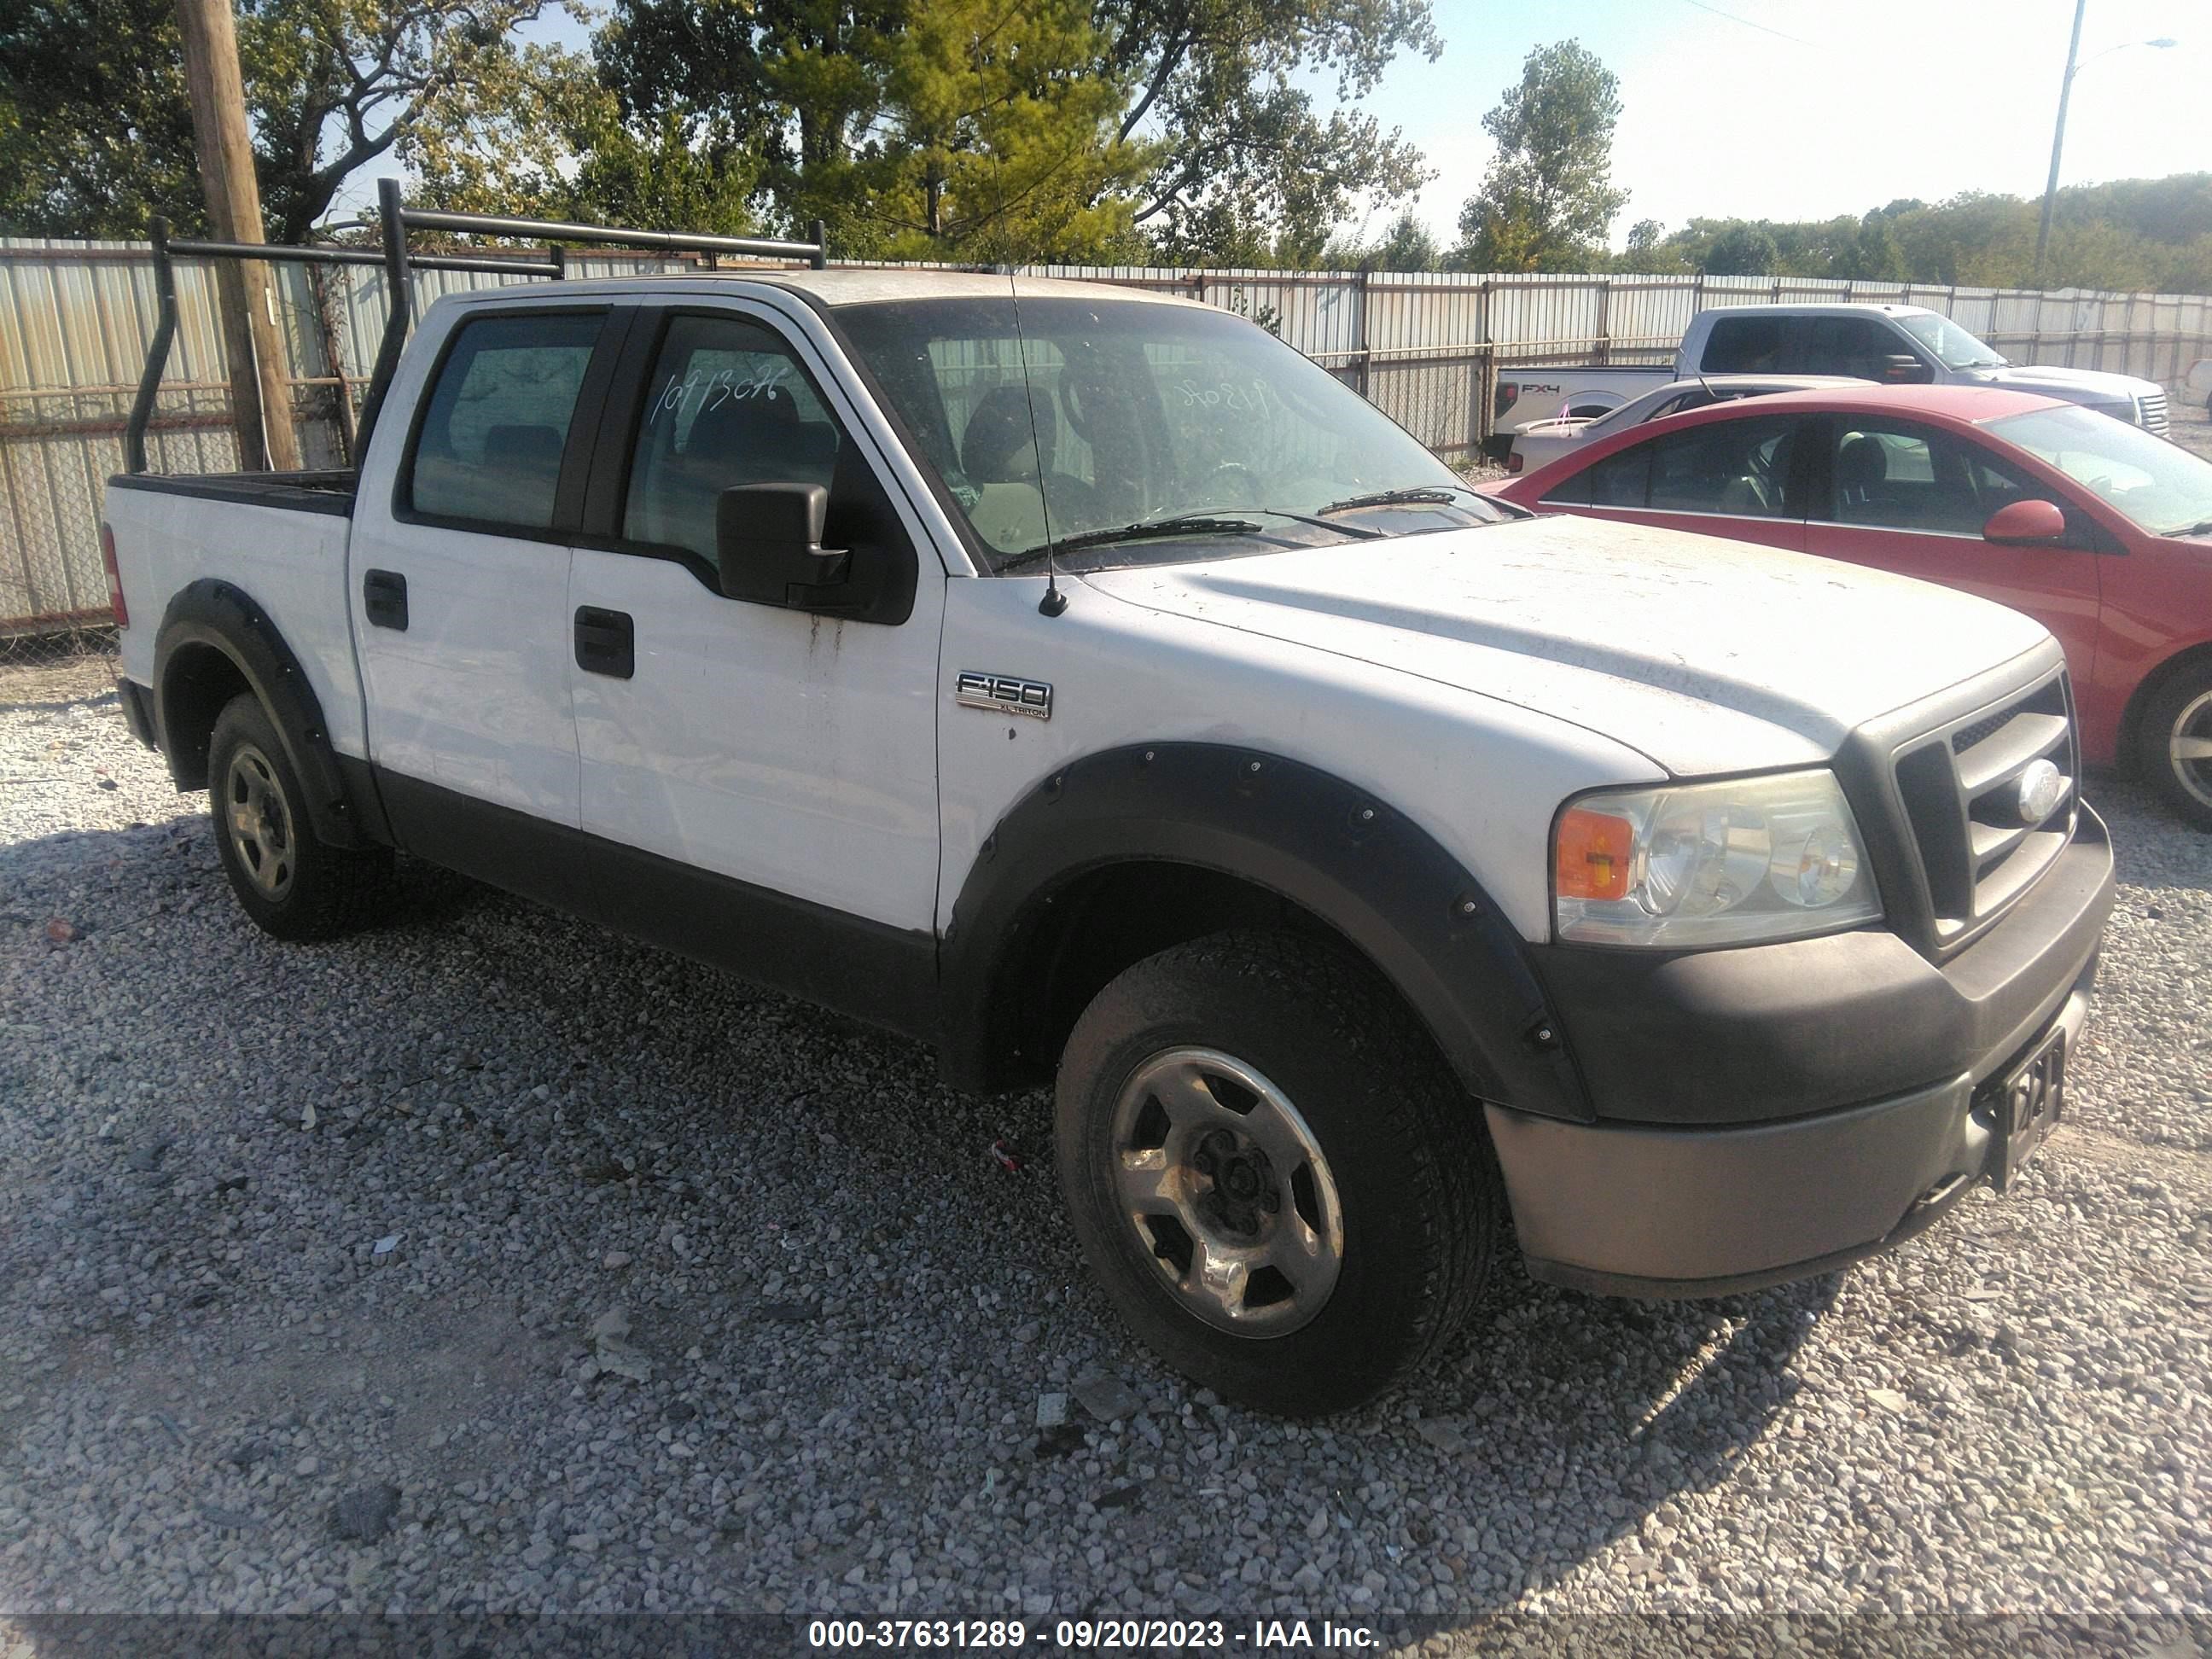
(711, 392)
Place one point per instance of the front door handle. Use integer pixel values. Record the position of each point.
(606, 642)
(383, 596)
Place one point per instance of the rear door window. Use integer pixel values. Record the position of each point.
(1739, 468)
(1750, 344)
(488, 449)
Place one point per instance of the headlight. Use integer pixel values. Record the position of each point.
(1699, 864)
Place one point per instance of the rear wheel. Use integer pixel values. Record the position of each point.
(293, 883)
(1281, 1187)
(2175, 745)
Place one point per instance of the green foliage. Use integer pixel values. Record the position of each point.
(1089, 130)
(1547, 201)
(1001, 145)
(1407, 244)
(2135, 235)
(95, 130)
(1248, 172)
(1741, 250)
(95, 134)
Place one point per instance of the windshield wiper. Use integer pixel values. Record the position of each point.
(1439, 494)
(1192, 523)
(1363, 534)
(2201, 527)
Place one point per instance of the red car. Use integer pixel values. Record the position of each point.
(2098, 529)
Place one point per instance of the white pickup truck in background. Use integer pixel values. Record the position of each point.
(1897, 345)
(1086, 683)
(1891, 343)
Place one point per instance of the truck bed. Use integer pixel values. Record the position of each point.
(280, 537)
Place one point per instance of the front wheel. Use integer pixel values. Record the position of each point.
(2174, 747)
(290, 881)
(1281, 1187)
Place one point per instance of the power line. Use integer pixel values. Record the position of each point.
(1748, 23)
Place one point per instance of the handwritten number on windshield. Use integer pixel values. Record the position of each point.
(1253, 400)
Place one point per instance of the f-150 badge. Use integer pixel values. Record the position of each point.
(1004, 694)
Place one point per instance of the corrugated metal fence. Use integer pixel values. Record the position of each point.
(75, 319)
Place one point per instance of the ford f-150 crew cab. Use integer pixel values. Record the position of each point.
(1083, 682)
(1898, 345)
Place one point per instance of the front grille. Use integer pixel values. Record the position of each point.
(2150, 413)
(1961, 786)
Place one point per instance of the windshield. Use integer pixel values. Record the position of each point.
(2159, 485)
(1954, 347)
(1143, 411)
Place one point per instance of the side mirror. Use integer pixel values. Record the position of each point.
(1903, 369)
(2026, 524)
(768, 541)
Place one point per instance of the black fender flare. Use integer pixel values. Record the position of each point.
(1376, 878)
(218, 616)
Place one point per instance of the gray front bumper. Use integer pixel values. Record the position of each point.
(1639, 1210)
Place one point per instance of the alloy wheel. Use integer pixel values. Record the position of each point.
(1227, 1192)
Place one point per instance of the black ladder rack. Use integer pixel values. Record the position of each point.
(397, 219)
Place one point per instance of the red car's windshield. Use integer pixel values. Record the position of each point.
(2159, 485)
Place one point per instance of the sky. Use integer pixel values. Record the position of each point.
(1803, 109)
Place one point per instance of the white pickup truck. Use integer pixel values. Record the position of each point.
(1894, 345)
(1086, 683)
(1897, 345)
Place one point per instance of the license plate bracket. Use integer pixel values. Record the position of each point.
(2025, 1106)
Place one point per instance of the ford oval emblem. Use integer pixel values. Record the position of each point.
(2042, 787)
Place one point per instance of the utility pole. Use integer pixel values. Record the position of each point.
(260, 392)
(2058, 139)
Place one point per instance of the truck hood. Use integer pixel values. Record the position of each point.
(2077, 384)
(1704, 655)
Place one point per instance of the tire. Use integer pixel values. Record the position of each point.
(292, 883)
(2173, 745)
(1195, 1054)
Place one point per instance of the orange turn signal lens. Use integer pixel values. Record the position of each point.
(1593, 856)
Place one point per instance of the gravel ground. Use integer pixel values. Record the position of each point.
(484, 1262)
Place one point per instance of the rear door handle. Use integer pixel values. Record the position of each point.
(383, 596)
(606, 642)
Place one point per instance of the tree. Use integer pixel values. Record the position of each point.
(1871, 254)
(95, 132)
(1248, 171)
(94, 126)
(1408, 245)
(835, 97)
(1649, 250)
(793, 90)
(1547, 201)
(1000, 145)
(1742, 250)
